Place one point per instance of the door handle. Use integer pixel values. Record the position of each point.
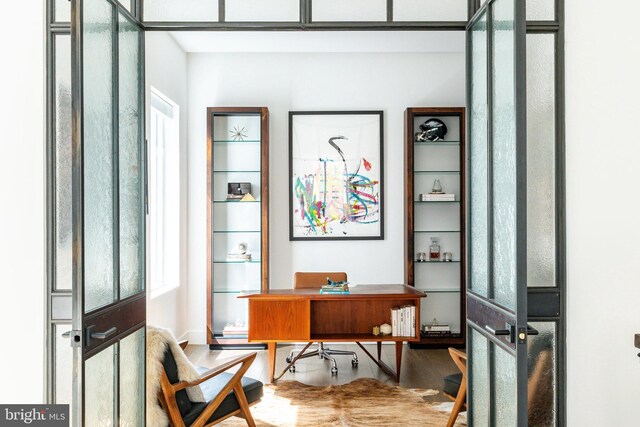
(532, 331)
(90, 335)
(497, 332)
(103, 335)
(509, 331)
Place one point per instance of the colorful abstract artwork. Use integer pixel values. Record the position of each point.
(336, 170)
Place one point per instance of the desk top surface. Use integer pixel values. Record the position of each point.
(355, 292)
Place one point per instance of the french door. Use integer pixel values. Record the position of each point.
(108, 335)
(497, 288)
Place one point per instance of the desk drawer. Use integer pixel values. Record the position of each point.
(279, 320)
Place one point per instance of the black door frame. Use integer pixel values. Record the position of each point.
(544, 304)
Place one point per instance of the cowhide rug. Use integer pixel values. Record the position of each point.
(363, 402)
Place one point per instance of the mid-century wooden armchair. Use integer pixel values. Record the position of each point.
(227, 394)
(455, 385)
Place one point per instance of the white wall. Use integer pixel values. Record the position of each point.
(284, 82)
(603, 211)
(166, 68)
(22, 241)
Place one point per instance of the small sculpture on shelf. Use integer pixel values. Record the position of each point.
(237, 134)
(238, 190)
(385, 329)
(240, 254)
(431, 130)
(437, 187)
(437, 194)
(434, 250)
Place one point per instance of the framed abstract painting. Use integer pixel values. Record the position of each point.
(336, 175)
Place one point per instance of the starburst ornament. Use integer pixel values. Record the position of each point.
(238, 133)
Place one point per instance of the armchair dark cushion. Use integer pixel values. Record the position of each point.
(190, 410)
(252, 389)
(452, 384)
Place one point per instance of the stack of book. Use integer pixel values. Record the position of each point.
(336, 288)
(235, 330)
(238, 257)
(436, 330)
(403, 321)
(440, 197)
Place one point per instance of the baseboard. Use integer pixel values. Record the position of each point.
(195, 337)
(183, 337)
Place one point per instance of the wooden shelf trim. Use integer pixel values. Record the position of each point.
(411, 205)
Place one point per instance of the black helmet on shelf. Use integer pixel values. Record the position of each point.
(434, 129)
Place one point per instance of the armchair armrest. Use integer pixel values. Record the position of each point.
(167, 393)
(233, 384)
(246, 359)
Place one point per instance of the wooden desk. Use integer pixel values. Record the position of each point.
(304, 315)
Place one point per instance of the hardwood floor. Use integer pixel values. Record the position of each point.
(420, 368)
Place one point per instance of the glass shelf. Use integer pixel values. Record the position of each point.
(230, 141)
(236, 231)
(220, 337)
(440, 290)
(236, 171)
(436, 201)
(236, 201)
(436, 231)
(435, 172)
(434, 143)
(435, 262)
(233, 291)
(240, 261)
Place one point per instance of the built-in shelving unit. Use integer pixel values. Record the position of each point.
(237, 152)
(426, 161)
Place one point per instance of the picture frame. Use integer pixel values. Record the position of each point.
(336, 175)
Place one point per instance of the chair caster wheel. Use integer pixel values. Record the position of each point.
(288, 359)
(334, 371)
(292, 368)
(354, 363)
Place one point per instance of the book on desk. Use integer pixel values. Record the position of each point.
(335, 288)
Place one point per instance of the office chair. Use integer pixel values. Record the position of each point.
(316, 280)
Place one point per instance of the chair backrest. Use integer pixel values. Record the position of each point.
(171, 371)
(316, 279)
(460, 359)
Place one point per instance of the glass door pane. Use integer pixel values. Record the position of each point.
(108, 215)
(132, 379)
(479, 378)
(504, 153)
(496, 301)
(98, 100)
(130, 157)
(478, 128)
(100, 388)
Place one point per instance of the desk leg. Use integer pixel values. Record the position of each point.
(379, 343)
(271, 347)
(398, 359)
(383, 365)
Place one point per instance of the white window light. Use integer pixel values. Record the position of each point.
(164, 194)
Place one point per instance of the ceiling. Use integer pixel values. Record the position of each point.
(321, 41)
